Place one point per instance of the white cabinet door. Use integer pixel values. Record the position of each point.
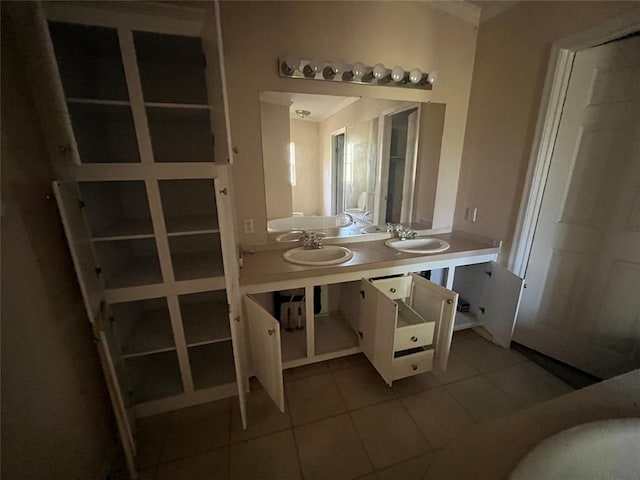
(431, 300)
(499, 302)
(378, 314)
(70, 206)
(226, 220)
(264, 334)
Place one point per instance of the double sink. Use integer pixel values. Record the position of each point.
(336, 254)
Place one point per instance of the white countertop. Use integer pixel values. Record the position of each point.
(269, 266)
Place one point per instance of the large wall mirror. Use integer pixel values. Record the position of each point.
(349, 165)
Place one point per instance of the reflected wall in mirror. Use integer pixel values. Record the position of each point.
(326, 156)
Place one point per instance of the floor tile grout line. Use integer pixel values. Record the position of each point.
(396, 464)
(295, 439)
(521, 405)
(355, 428)
(415, 423)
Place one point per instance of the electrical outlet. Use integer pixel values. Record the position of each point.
(248, 225)
(471, 214)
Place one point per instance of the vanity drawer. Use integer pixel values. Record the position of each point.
(408, 365)
(412, 330)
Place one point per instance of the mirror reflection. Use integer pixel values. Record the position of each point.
(348, 165)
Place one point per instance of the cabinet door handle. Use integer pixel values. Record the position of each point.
(414, 339)
(449, 302)
(271, 331)
(414, 367)
(392, 290)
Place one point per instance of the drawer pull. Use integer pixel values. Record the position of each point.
(414, 367)
(414, 339)
(271, 331)
(449, 302)
(392, 290)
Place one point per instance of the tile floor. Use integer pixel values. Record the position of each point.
(343, 422)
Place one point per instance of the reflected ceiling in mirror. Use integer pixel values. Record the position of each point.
(327, 158)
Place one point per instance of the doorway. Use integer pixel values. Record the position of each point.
(582, 264)
(399, 151)
(338, 167)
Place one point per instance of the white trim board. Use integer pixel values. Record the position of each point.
(557, 80)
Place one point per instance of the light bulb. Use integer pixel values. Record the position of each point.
(379, 71)
(359, 70)
(347, 72)
(328, 73)
(433, 77)
(316, 65)
(292, 62)
(415, 76)
(397, 74)
(337, 67)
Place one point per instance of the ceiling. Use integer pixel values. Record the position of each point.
(320, 106)
(491, 8)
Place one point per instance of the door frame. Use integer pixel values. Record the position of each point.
(333, 210)
(382, 163)
(556, 85)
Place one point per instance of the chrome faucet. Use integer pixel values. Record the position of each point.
(401, 232)
(311, 240)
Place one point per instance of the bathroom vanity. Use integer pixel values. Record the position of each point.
(375, 303)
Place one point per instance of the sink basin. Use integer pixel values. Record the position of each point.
(374, 229)
(418, 245)
(327, 255)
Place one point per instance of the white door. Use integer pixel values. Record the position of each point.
(264, 334)
(501, 292)
(80, 243)
(582, 302)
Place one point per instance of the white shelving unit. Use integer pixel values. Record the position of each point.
(135, 115)
(131, 97)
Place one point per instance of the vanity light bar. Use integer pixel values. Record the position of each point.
(293, 67)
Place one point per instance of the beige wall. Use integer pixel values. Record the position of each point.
(432, 117)
(508, 79)
(56, 418)
(411, 34)
(275, 154)
(306, 194)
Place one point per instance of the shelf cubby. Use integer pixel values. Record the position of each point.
(172, 68)
(212, 365)
(154, 376)
(116, 209)
(129, 263)
(104, 133)
(89, 61)
(205, 317)
(336, 323)
(180, 134)
(189, 206)
(196, 256)
(143, 327)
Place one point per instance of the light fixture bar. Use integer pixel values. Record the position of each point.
(379, 75)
